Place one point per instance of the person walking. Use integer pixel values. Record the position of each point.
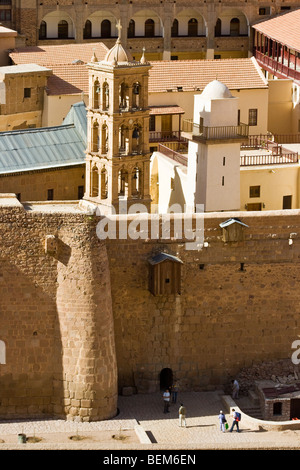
(235, 389)
(182, 415)
(166, 397)
(236, 419)
(222, 420)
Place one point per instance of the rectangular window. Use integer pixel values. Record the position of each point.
(254, 191)
(152, 123)
(252, 117)
(224, 161)
(5, 15)
(287, 202)
(27, 92)
(223, 180)
(50, 195)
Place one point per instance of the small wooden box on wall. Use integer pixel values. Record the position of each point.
(233, 230)
(165, 274)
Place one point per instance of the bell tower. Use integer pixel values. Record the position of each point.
(117, 155)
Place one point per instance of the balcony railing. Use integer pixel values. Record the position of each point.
(277, 67)
(252, 160)
(176, 156)
(215, 133)
(165, 136)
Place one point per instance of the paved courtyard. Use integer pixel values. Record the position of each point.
(162, 430)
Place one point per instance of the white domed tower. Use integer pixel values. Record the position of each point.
(117, 156)
(214, 150)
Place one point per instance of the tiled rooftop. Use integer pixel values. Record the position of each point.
(194, 75)
(61, 54)
(71, 77)
(283, 28)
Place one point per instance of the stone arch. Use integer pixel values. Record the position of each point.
(2, 352)
(137, 95)
(95, 137)
(87, 30)
(124, 95)
(149, 28)
(105, 30)
(240, 19)
(165, 378)
(96, 18)
(137, 181)
(104, 139)
(185, 16)
(140, 18)
(123, 139)
(105, 96)
(43, 30)
(96, 94)
(175, 28)
(58, 24)
(235, 27)
(131, 29)
(94, 181)
(136, 138)
(123, 182)
(192, 27)
(218, 28)
(104, 184)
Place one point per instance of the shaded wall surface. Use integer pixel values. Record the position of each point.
(55, 318)
(239, 303)
(79, 322)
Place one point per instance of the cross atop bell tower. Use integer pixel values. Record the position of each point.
(117, 154)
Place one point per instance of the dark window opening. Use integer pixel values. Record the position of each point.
(149, 28)
(27, 92)
(106, 29)
(166, 378)
(287, 202)
(80, 192)
(50, 194)
(63, 30)
(87, 31)
(174, 29)
(131, 29)
(254, 191)
(193, 27)
(277, 409)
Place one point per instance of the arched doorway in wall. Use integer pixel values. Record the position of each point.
(165, 378)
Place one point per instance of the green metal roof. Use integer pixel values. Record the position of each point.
(47, 147)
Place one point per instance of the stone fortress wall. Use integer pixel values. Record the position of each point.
(79, 323)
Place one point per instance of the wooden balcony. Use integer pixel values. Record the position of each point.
(280, 66)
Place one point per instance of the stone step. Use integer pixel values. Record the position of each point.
(254, 412)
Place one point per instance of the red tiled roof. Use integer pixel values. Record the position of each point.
(194, 75)
(70, 77)
(60, 54)
(283, 28)
(68, 80)
(159, 110)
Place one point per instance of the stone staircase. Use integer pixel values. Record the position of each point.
(250, 405)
